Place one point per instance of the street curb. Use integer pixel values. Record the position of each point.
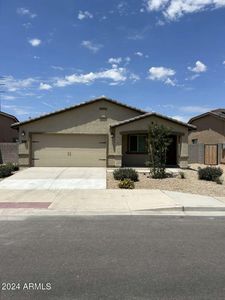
(186, 208)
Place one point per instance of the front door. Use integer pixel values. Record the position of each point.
(171, 157)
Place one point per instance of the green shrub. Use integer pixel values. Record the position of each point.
(126, 184)
(5, 171)
(158, 173)
(219, 180)
(125, 173)
(182, 175)
(209, 173)
(16, 167)
(13, 167)
(159, 141)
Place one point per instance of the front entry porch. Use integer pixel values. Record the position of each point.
(135, 150)
(129, 142)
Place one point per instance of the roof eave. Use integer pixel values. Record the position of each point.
(17, 124)
(9, 116)
(153, 114)
(214, 114)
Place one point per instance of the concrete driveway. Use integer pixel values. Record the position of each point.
(56, 178)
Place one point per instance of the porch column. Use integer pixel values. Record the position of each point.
(118, 148)
(183, 159)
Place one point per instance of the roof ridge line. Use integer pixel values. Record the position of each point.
(79, 105)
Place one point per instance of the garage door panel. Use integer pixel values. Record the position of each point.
(69, 150)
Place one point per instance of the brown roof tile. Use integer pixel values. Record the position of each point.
(79, 105)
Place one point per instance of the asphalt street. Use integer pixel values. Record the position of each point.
(112, 257)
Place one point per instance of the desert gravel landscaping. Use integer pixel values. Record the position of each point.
(191, 184)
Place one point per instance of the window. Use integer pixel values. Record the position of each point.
(137, 143)
(194, 141)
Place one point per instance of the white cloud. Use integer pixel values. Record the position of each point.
(127, 59)
(134, 77)
(84, 15)
(224, 62)
(35, 42)
(198, 68)
(160, 23)
(193, 77)
(58, 68)
(122, 8)
(116, 75)
(16, 110)
(136, 36)
(45, 86)
(115, 60)
(162, 74)
(25, 12)
(8, 97)
(174, 9)
(13, 84)
(36, 57)
(169, 81)
(138, 53)
(91, 46)
(180, 118)
(155, 4)
(27, 25)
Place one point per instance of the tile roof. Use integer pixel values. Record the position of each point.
(219, 113)
(152, 114)
(8, 115)
(77, 106)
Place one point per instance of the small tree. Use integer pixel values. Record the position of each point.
(158, 143)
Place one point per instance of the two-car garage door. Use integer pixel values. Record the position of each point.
(68, 150)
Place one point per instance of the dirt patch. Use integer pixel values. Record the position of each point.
(191, 184)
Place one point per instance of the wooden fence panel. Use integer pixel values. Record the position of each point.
(211, 154)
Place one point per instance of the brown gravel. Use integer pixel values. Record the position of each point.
(190, 184)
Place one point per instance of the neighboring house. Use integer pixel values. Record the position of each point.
(209, 137)
(7, 134)
(97, 133)
(8, 138)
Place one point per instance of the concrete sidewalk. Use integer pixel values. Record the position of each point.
(86, 202)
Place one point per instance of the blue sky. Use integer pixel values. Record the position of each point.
(161, 55)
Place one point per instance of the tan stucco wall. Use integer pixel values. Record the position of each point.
(210, 130)
(7, 134)
(143, 124)
(82, 120)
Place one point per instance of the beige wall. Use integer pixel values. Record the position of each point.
(143, 124)
(7, 134)
(210, 130)
(87, 119)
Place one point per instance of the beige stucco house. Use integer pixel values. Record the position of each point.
(100, 132)
(210, 133)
